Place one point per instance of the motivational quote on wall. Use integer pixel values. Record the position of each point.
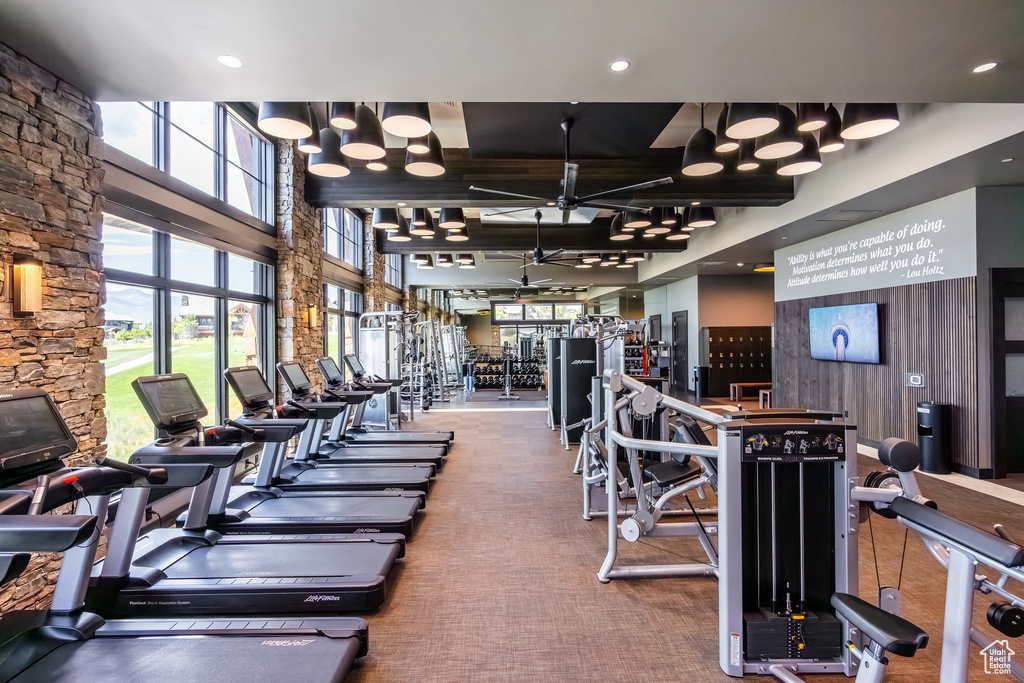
(898, 249)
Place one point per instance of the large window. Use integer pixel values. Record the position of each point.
(342, 309)
(343, 236)
(393, 270)
(514, 314)
(177, 306)
(201, 143)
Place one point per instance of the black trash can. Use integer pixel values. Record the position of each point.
(700, 379)
(934, 436)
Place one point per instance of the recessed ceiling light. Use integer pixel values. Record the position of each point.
(987, 66)
(235, 63)
(401, 203)
(622, 65)
(574, 103)
(785, 238)
(1007, 160)
(741, 264)
(694, 203)
(551, 204)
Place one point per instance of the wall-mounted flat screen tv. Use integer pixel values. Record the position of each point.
(845, 333)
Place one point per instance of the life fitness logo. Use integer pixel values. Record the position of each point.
(583, 361)
(287, 643)
(322, 598)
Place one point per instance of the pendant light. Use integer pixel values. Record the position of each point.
(830, 138)
(288, 120)
(618, 234)
(419, 258)
(862, 121)
(608, 260)
(668, 216)
(457, 235)
(406, 119)
(445, 260)
(621, 262)
(311, 144)
(635, 257)
(451, 217)
(580, 263)
(634, 219)
(680, 231)
(377, 164)
(385, 219)
(329, 162)
(781, 142)
(701, 217)
(751, 119)
(699, 156)
(463, 258)
(428, 164)
(422, 223)
(724, 143)
(806, 160)
(810, 116)
(426, 265)
(402, 233)
(470, 264)
(747, 161)
(343, 115)
(657, 227)
(417, 145)
(366, 140)
(686, 221)
(590, 258)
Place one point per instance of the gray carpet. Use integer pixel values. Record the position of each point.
(499, 583)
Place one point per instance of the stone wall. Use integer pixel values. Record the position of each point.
(299, 266)
(374, 271)
(51, 207)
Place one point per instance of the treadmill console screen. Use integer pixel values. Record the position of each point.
(294, 376)
(332, 373)
(31, 430)
(354, 365)
(249, 385)
(170, 400)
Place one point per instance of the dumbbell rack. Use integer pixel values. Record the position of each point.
(489, 373)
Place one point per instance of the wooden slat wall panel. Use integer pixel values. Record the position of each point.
(929, 328)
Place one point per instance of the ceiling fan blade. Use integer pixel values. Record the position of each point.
(537, 282)
(508, 194)
(606, 205)
(667, 180)
(553, 255)
(572, 171)
(502, 213)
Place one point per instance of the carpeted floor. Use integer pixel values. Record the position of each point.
(492, 395)
(499, 582)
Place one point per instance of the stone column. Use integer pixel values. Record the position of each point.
(409, 303)
(374, 270)
(51, 209)
(299, 266)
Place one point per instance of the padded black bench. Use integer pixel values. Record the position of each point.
(892, 633)
(680, 468)
(967, 535)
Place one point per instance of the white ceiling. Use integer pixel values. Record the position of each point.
(528, 50)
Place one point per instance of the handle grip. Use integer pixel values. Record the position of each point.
(238, 425)
(153, 476)
(39, 495)
(295, 404)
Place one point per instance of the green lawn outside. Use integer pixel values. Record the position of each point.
(128, 426)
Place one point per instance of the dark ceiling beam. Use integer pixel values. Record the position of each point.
(522, 238)
(540, 177)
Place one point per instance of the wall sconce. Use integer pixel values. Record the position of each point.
(27, 286)
(312, 313)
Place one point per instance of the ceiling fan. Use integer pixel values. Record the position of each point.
(540, 258)
(524, 282)
(567, 200)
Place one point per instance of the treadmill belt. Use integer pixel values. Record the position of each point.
(225, 659)
(397, 437)
(369, 508)
(396, 475)
(271, 560)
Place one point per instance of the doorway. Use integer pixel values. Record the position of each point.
(1008, 370)
(654, 328)
(680, 351)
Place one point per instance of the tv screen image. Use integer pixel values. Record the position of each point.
(845, 333)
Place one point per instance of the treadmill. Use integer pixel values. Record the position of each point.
(194, 570)
(336, 405)
(358, 434)
(265, 509)
(69, 645)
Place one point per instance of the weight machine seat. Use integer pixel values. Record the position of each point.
(672, 473)
(894, 634)
(680, 468)
(967, 535)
